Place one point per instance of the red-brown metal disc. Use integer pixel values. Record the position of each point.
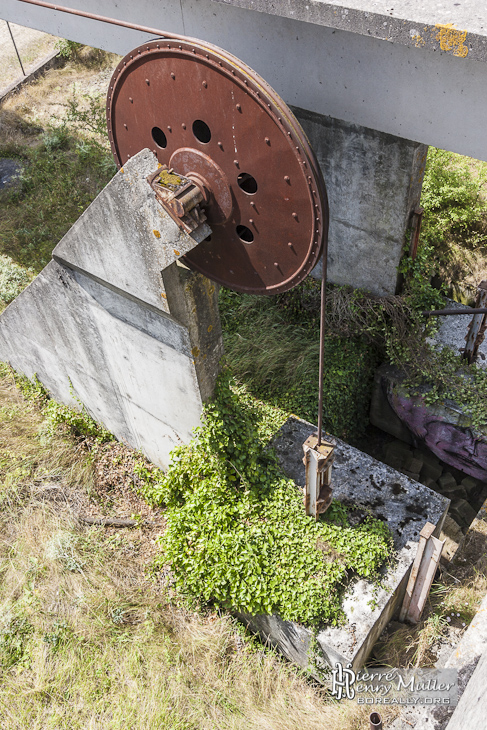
(198, 106)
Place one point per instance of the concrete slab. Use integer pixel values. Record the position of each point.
(358, 480)
(374, 182)
(460, 28)
(400, 70)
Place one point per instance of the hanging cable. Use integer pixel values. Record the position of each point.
(15, 46)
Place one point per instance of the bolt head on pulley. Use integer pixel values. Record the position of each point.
(210, 117)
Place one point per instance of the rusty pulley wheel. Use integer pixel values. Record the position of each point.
(212, 118)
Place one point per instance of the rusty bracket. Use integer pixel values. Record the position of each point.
(180, 196)
(416, 220)
(478, 325)
(318, 459)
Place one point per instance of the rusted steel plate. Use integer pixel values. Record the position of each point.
(203, 111)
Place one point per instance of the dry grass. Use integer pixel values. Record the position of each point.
(35, 105)
(32, 45)
(87, 640)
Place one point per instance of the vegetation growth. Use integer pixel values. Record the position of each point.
(454, 230)
(237, 534)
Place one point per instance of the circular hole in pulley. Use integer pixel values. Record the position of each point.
(159, 137)
(201, 131)
(247, 183)
(245, 234)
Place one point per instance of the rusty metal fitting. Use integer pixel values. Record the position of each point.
(318, 459)
(180, 196)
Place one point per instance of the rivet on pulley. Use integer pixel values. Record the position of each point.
(147, 82)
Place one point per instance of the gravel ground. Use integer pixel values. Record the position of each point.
(32, 46)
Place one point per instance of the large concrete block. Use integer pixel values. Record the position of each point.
(95, 329)
(374, 183)
(405, 505)
(125, 238)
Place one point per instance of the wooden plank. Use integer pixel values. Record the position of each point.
(426, 573)
(424, 535)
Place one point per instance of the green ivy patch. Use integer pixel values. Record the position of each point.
(237, 534)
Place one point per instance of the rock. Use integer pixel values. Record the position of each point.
(443, 427)
(483, 494)
(397, 449)
(431, 470)
(426, 457)
(452, 529)
(9, 174)
(463, 513)
(415, 465)
(383, 416)
(446, 481)
(455, 494)
(471, 486)
(428, 482)
(396, 462)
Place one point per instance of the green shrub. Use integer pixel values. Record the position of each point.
(68, 49)
(237, 534)
(14, 638)
(453, 204)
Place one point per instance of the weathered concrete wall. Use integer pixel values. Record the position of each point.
(99, 326)
(374, 183)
